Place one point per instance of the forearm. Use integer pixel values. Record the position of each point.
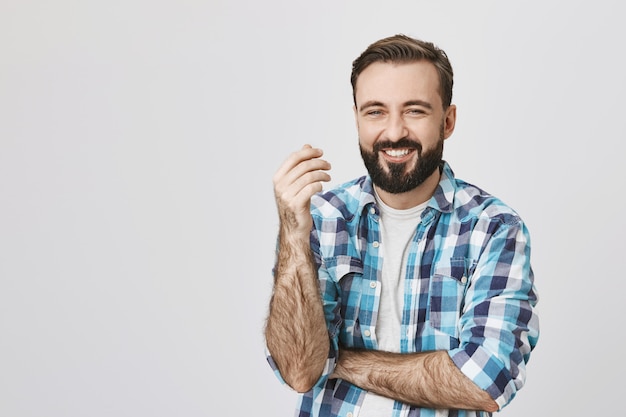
(428, 379)
(296, 332)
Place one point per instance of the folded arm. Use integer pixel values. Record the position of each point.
(428, 379)
(497, 330)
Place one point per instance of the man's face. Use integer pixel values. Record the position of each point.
(401, 123)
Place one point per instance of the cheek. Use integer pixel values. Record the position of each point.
(426, 133)
(367, 135)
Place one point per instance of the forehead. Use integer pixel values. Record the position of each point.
(390, 82)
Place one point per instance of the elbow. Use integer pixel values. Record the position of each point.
(302, 383)
(303, 377)
(301, 387)
(491, 406)
(301, 369)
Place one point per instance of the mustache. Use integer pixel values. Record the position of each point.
(401, 143)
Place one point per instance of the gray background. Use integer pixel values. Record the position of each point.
(137, 144)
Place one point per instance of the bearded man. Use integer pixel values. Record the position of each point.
(407, 291)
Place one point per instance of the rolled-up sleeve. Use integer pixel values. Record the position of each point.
(499, 327)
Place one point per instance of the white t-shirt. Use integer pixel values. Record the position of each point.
(397, 228)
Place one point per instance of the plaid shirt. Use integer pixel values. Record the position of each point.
(469, 290)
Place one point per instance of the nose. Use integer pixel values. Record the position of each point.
(396, 128)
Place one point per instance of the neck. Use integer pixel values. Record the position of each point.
(414, 197)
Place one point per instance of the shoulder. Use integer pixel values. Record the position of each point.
(343, 201)
(473, 201)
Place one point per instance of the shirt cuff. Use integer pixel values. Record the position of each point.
(486, 371)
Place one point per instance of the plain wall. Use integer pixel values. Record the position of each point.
(137, 222)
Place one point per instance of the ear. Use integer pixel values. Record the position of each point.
(449, 121)
(356, 116)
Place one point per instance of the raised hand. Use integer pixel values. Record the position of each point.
(295, 182)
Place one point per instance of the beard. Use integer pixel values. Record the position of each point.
(401, 178)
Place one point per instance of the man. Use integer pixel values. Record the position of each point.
(406, 292)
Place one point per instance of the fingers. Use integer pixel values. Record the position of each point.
(299, 177)
(306, 153)
(302, 172)
(299, 193)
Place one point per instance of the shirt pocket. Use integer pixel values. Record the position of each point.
(446, 294)
(347, 272)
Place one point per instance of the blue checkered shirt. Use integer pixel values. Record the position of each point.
(469, 290)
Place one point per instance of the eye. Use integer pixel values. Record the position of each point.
(415, 111)
(374, 113)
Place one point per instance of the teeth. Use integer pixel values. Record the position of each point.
(397, 152)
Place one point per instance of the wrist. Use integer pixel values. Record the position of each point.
(293, 234)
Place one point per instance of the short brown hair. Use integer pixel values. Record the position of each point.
(404, 49)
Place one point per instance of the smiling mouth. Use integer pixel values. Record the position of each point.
(398, 155)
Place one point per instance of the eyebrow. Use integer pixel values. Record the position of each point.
(371, 103)
(375, 103)
(418, 103)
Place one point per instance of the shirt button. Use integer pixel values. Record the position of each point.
(367, 333)
(373, 284)
(463, 280)
(372, 211)
(375, 244)
(349, 415)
